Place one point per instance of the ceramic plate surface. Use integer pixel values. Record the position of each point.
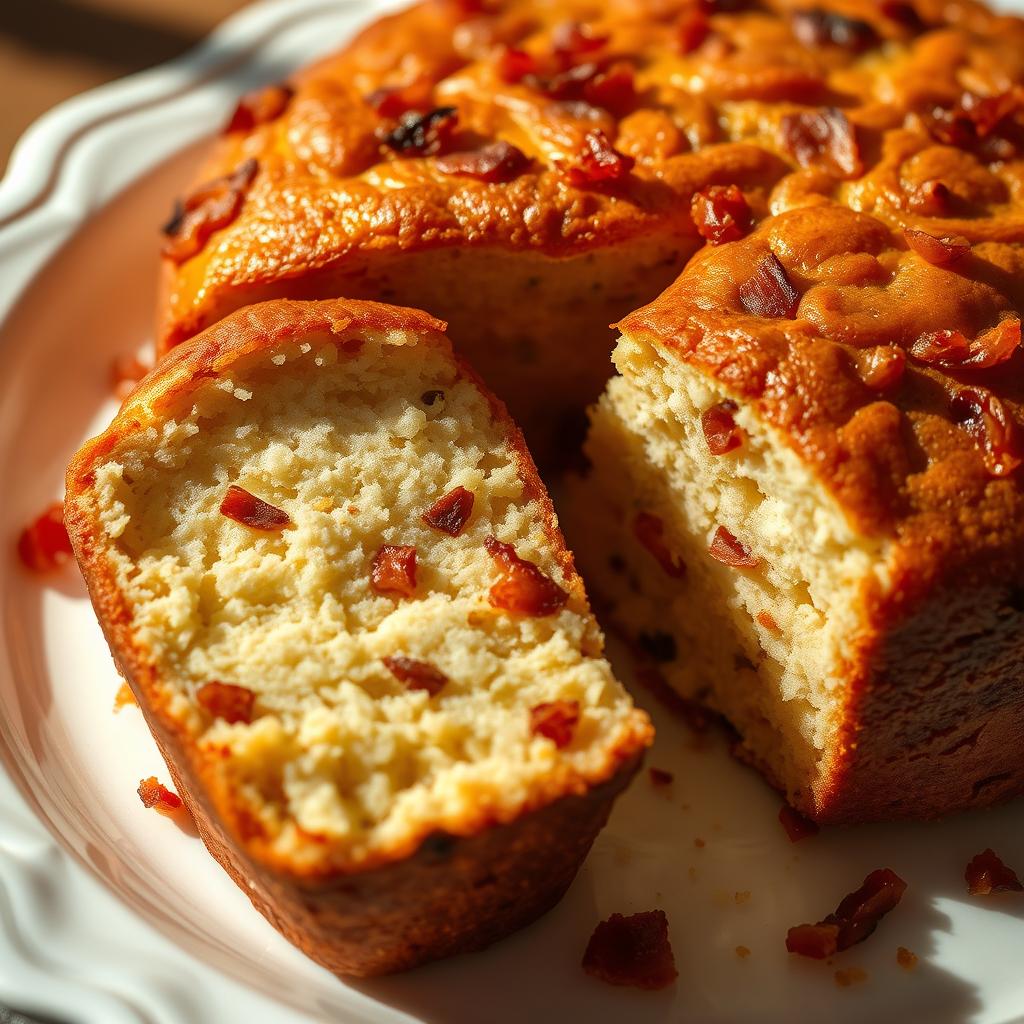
(110, 914)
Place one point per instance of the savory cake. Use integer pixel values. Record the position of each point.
(324, 562)
(805, 508)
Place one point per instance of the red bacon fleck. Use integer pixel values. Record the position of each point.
(820, 28)
(951, 349)
(986, 874)
(417, 675)
(692, 30)
(660, 777)
(556, 721)
(259, 107)
(796, 825)
(523, 588)
(632, 951)
(158, 797)
(245, 508)
(822, 137)
(570, 39)
(421, 134)
(394, 570)
(394, 101)
(451, 512)
(650, 530)
(727, 549)
(989, 422)
(940, 251)
(211, 207)
(881, 368)
(721, 214)
(225, 700)
(44, 544)
(514, 65)
(854, 920)
(768, 292)
(932, 198)
(599, 163)
(499, 161)
(721, 431)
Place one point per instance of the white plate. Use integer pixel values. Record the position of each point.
(110, 914)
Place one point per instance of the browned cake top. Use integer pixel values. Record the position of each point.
(889, 358)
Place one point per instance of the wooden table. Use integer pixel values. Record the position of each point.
(53, 49)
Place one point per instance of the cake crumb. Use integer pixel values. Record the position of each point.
(742, 897)
(324, 504)
(659, 777)
(742, 952)
(125, 698)
(847, 976)
(699, 843)
(906, 959)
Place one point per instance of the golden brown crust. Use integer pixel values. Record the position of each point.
(405, 905)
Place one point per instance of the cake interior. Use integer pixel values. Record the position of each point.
(354, 442)
(765, 646)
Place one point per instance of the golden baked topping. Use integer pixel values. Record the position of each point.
(649, 530)
(245, 508)
(854, 920)
(632, 950)
(44, 544)
(986, 874)
(394, 570)
(721, 214)
(158, 797)
(720, 430)
(227, 701)
(260, 107)
(523, 588)
(727, 549)
(768, 291)
(451, 512)
(212, 206)
(417, 675)
(555, 721)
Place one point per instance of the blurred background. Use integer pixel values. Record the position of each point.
(53, 49)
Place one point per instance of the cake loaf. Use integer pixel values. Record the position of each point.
(325, 564)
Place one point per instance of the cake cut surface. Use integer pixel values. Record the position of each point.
(310, 620)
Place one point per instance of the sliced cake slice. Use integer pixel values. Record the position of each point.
(323, 559)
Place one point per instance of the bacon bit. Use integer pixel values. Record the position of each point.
(824, 136)
(556, 721)
(570, 39)
(769, 623)
(225, 700)
(125, 372)
(633, 951)
(417, 675)
(211, 207)
(905, 958)
(986, 874)
(940, 251)
(881, 368)
(421, 134)
(796, 825)
(515, 65)
(450, 513)
(720, 213)
(952, 349)
(394, 570)
(523, 588)
(903, 13)
(660, 777)
(599, 163)
(974, 120)
(819, 28)
(245, 508)
(394, 101)
(742, 952)
(124, 698)
(692, 30)
(649, 530)
(768, 292)
(44, 544)
(259, 107)
(847, 976)
(932, 198)
(855, 918)
(727, 549)
(158, 797)
(613, 89)
(499, 161)
(720, 430)
(430, 397)
(987, 420)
